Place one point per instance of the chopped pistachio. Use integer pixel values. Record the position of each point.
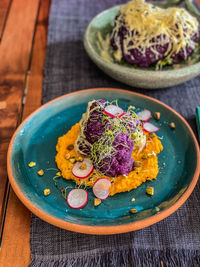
(152, 135)
(150, 191)
(70, 147)
(72, 160)
(97, 201)
(146, 156)
(47, 192)
(58, 174)
(157, 115)
(62, 189)
(80, 159)
(83, 166)
(157, 209)
(131, 107)
(133, 199)
(67, 156)
(133, 211)
(172, 125)
(32, 164)
(137, 164)
(40, 172)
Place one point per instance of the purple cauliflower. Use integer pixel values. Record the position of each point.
(95, 126)
(134, 56)
(112, 156)
(92, 126)
(107, 140)
(189, 50)
(151, 54)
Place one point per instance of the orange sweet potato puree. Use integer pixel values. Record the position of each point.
(147, 171)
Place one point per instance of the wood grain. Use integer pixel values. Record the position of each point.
(17, 38)
(15, 50)
(35, 77)
(10, 99)
(16, 238)
(14, 252)
(4, 9)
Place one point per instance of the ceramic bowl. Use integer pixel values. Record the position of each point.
(35, 141)
(136, 77)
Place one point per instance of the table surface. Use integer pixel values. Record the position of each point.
(23, 35)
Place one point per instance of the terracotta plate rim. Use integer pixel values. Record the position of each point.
(104, 230)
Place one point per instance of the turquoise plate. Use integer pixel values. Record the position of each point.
(35, 140)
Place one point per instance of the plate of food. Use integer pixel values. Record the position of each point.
(103, 161)
(144, 45)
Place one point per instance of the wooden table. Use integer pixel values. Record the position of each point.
(23, 34)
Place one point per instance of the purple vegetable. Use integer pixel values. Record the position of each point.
(189, 50)
(93, 127)
(107, 140)
(151, 55)
(119, 161)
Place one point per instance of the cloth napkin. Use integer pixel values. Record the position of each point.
(175, 241)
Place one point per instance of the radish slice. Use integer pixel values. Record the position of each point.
(144, 115)
(77, 198)
(83, 169)
(114, 111)
(149, 127)
(101, 188)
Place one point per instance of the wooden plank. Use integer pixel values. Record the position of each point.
(17, 38)
(4, 9)
(14, 252)
(35, 78)
(16, 238)
(10, 99)
(15, 50)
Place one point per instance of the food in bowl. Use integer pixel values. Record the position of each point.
(110, 149)
(144, 34)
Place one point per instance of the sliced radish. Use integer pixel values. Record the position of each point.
(144, 115)
(114, 111)
(83, 169)
(101, 188)
(77, 198)
(149, 127)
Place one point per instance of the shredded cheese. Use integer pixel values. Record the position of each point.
(148, 26)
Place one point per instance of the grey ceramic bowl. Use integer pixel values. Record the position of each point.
(137, 77)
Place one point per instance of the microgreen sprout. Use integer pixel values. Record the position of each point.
(55, 179)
